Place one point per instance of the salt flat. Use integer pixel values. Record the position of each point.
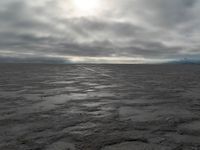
(99, 107)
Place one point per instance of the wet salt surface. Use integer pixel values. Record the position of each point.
(135, 146)
(191, 127)
(99, 107)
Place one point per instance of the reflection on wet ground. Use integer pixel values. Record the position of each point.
(99, 107)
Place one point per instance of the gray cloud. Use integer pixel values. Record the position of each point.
(156, 29)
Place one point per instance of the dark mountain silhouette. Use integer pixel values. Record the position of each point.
(186, 61)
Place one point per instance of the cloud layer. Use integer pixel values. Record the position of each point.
(120, 31)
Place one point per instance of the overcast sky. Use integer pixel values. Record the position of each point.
(99, 31)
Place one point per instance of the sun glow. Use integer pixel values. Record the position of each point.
(86, 7)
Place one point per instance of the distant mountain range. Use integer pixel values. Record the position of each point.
(185, 61)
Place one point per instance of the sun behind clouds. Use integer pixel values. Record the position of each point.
(87, 7)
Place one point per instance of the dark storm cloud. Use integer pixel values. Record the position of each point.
(157, 29)
(34, 59)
